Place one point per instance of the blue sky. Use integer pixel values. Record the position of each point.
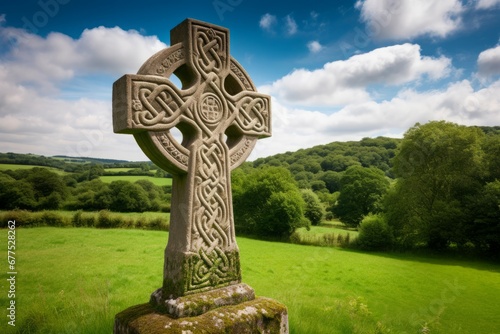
(336, 71)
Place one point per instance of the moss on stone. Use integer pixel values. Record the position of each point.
(261, 315)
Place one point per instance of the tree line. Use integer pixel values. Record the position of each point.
(437, 188)
(42, 189)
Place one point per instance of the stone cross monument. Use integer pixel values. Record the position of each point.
(221, 116)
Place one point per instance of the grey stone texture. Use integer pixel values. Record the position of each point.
(221, 116)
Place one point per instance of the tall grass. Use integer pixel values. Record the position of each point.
(101, 219)
(159, 181)
(74, 280)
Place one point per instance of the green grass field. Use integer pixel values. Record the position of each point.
(73, 280)
(132, 178)
(118, 169)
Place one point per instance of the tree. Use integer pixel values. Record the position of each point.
(267, 202)
(128, 197)
(361, 191)
(439, 168)
(16, 194)
(314, 210)
(374, 233)
(484, 231)
(332, 180)
(49, 188)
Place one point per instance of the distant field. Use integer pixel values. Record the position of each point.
(118, 169)
(159, 181)
(15, 167)
(74, 280)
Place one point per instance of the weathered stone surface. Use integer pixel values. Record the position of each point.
(261, 315)
(199, 303)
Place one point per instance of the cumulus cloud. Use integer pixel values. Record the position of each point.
(401, 20)
(267, 22)
(486, 4)
(343, 82)
(45, 61)
(295, 128)
(314, 46)
(33, 121)
(488, 62)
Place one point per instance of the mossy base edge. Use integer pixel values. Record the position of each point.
(261, 315)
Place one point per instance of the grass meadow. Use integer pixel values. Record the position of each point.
(159, 181)
(74, 280)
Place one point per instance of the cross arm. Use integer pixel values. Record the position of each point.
(251, 112)
(146, 103)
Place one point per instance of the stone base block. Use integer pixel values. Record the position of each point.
(261, 315)
(199, 303)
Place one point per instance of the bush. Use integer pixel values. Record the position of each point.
(106, 220)
(159, 223)
(314, 210)
(53, 219)
(21, 217)
(25, 218)
(81, 219)
(374, 233)
(267, 203)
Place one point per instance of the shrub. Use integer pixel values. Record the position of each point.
(329, 239)
(105, 220)
(374, 233)
(53, 219)
(21, 217)
(141, 223)
(159, 223)
(314, 210)
(77, 219)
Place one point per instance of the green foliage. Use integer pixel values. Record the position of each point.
(440, 170)
(484, 230)
(374, 233)
(267, 202)
(41, 189)
(314, 210)
(25, 218)
(361, 192)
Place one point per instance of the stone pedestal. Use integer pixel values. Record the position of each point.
(260, 315)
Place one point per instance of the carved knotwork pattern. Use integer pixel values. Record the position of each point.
(157, 107)
(212, 219)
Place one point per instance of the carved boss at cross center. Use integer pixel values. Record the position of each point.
(220, 116)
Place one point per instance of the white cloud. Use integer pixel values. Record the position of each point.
(314, 46)
(486, 4)
(295, 128)
(33, 121)
(46, 61)
(267, 21)
(343, 82)
(488, 62)
(290, 25)
(401, 20)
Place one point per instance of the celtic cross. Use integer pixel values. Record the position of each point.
(220, 116)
